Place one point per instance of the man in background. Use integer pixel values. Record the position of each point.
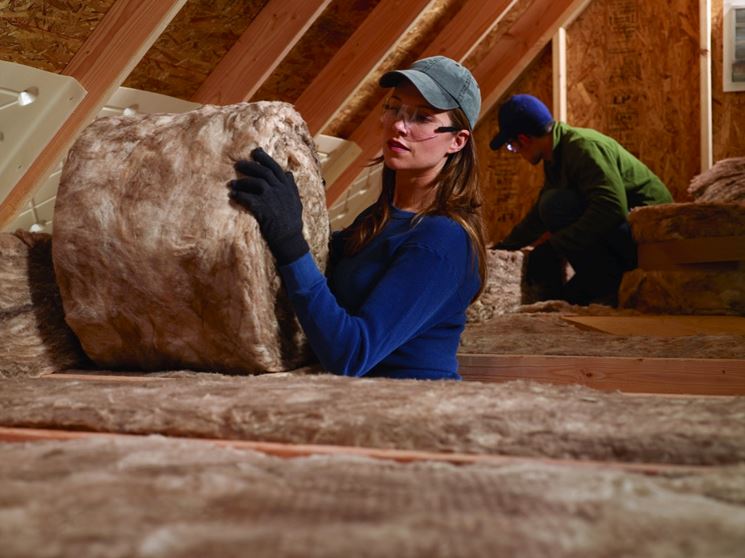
(591, 184)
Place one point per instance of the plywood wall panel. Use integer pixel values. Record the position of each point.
(728, 109)
(192, 45)
(46, 35)
(633, 73)
(510, 184)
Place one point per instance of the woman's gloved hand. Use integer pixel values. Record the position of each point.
(272, 196)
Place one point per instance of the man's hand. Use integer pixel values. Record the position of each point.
(272, 196)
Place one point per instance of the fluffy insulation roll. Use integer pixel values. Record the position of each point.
(157, 268)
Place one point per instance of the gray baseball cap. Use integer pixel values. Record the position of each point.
(443, 82)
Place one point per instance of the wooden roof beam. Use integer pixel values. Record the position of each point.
(113, 49)
(457, 40)
(261, 48)
(364, 50)
(526, 38)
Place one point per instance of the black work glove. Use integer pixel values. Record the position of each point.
(272, 196)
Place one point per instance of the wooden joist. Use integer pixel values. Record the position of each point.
(665, 376)
(104, 61)
(677, 254)
(259, 50)
(694, 376)
(288, 451)
(661, 326)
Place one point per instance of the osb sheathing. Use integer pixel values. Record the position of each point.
(407, 50)
(728, 126)
(192, 45)
(46, 35)
(314, 50)
(510, 184)
(633, 73)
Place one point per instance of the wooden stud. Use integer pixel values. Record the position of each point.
(462, 34)
(694, 376)
(559, 55)
(367, 46)
(255, 55)
(707, 149)
(291, 451)
(117, 44)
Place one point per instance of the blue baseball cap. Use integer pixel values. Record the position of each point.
(443, 82)
(521, 114)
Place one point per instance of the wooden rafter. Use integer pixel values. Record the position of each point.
(117, 44)
(367, 46)
(495, 73)
(264, 44)
(527, 36)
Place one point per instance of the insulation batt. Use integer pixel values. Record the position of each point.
(504, 286)
(676, 221)
(724, 182)
(157, 269)
(152, 497)
(514, 418)
(34, 339)
(717, 288)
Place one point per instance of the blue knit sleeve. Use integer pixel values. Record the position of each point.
(405, 301)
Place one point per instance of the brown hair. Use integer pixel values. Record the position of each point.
(458, 197)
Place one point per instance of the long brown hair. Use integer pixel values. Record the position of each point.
(458, 197)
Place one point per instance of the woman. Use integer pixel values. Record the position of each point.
(402, 275)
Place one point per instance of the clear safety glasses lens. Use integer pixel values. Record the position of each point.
(420, 123)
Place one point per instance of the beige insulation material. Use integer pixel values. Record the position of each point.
(34, 339)
(694, 288)
(157, 270)
(160, 498)
(538, 329)
(724, 182)
(504, 286)
(675, 221)
(689, 291)
(515, 418)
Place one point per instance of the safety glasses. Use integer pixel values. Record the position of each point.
(422, 123)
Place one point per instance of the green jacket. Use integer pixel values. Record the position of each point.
(609, 178)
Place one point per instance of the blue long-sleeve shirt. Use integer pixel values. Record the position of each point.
(394, 309)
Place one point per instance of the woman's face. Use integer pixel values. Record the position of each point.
(413, 135)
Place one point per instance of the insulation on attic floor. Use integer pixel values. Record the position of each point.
(539, 329)
(515, 418)
(154, 497)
